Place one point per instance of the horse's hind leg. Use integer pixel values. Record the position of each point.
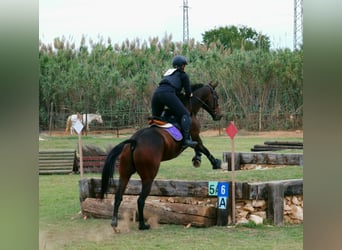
(118, 198)
(146, 188)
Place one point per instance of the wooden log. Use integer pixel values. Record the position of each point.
(166, 213)
(268, 158)
(279, 147)
(237, 161)
(89, 188)
(97, 208)
(289, 143)
(159, 188)
(264, 149)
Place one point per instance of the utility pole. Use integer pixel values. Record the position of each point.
(185, 21)
(298, 24)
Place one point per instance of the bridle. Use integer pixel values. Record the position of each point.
(211, 111)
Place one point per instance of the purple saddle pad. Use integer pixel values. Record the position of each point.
(175, 133)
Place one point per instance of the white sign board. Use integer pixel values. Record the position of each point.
(78, 126)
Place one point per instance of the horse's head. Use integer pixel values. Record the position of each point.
(99, 118)
(213, 102)
(208, 99)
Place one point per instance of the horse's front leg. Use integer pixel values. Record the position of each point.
(216, 163)
(197, 159)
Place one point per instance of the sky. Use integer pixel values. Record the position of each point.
(137, 19)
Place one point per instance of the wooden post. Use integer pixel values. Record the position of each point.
(80, 148)
(86, 123)
(237, 161)
(222, 215)
(233, 182)
(231, 132)
(275, 203)
(260, 118)
(222, 206)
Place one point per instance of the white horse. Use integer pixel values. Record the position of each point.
(72, 119)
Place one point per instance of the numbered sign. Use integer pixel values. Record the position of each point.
(222, 194)
(212, 188)
(223, 189)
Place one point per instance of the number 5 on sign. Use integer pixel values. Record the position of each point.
(212, 188)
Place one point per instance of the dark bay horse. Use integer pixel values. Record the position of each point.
(144, 151)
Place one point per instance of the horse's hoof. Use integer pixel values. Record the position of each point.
(144, 227)
(196, 162)
(116, 230)
(217, 164)
(114, 223)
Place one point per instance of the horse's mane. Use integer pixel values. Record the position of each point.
(196, 86)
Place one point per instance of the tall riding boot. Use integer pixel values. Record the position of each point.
(186, 123)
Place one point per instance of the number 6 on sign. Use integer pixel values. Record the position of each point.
(223, 189)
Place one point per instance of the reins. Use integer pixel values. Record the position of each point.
(206, 106)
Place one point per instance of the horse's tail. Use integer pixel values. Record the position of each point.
(108, 168)
(68, 125)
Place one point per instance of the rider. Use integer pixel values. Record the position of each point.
(173, 81)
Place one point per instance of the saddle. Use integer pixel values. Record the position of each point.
(172, 129)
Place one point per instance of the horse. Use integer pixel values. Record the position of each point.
(146, 148)
(85, 118)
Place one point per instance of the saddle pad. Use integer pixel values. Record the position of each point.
(175, 133)
(171, 129)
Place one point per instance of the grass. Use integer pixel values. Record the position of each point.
(63, 227)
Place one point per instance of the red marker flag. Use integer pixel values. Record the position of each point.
(231, 130)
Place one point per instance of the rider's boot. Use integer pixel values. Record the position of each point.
(186, 123)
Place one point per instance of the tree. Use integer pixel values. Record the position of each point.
(233, 37)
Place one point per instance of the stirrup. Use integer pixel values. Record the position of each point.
(190, 143)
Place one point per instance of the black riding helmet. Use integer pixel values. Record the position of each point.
(178, 61)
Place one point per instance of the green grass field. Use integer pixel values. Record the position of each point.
(61, 226)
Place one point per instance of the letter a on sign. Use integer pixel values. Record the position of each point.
(222, 203)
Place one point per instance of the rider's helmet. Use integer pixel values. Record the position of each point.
(178, 61)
